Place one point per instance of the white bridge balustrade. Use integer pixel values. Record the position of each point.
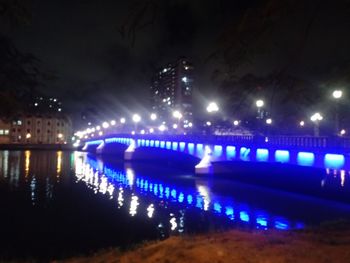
(321, 152)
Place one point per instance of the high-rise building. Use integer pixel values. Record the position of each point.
(171, 91)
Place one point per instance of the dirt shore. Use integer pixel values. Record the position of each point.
(325, 244)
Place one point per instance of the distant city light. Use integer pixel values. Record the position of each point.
(89, 123)
(59, 109)
(301, 123)
(190, 124)
(136, 118)
(60, 136)
(113, 122)
(151, 130)
(122, 120)
(35, 104)
(133, 132)
(236, 122)
(212, 107)
(268, 121)
(142, 132)
(175, 126)
(98, 128)
(28, 135)
(259, 103)
(337, 94)
(208, 123)
(100, 133)
(184, 79)
(105, 125)
(342, 132)
(153, 116)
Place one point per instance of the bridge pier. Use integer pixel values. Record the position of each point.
(130, 151)
(205, 166)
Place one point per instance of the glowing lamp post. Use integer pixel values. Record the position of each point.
(259, 104)
(337, 94)
(316, 118)
(136, 119)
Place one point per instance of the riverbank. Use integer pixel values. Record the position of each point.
(43, 147)
(330, 243)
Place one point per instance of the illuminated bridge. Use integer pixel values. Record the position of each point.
(321, 152)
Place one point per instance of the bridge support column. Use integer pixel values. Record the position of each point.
(129, 152)
(205, 166)
(99, 149)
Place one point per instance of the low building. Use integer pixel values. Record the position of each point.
(41, 129)
(5, 127)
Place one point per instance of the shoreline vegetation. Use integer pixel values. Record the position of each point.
(327, 243)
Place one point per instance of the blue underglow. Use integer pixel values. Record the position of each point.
(217, 207)
(151, 143)
(189, 199)
(175, 145)
(306, 158)
(143, 142)
(217, 150)
(230, 212)
(182, 146)
(147, 143)
(282, 224)
(334, 161)
(162, 144)
(168, 145)
(243, 215)
(261, 221)
(94, 142)
(230, 152)
(181, 197)
(282, 156)
(190, 147)
(199, 150)
(156, 143)
(244, 154)
(262, 155)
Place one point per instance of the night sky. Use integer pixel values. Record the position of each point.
(83, 44)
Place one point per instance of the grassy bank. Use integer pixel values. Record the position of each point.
(330, 243)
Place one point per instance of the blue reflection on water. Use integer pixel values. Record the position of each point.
(188, 197)
(282, 156)
(262, 155)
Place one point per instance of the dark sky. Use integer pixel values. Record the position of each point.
(80, 41)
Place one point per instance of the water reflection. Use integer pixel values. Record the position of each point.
(174, 200)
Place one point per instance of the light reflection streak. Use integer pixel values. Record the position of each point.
(200, 198)
(26, 163)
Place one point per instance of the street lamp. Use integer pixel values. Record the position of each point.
(212, 107)
(153, 116)
(337, 94)
(122, 120)
(316, 118)
(269, 121)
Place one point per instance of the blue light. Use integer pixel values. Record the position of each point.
(199, 202)
(244, 154)
(262, 155)
(168, 145)
(182, 146)
(229, 212)
(282, 156)
(217, 150)
(199, 150)
(306, 158)
(173, 193)
(151, 143)
(190, 147)
(156, 143)
(189, 199)
(243, 215)
(261, 221)
(162, 144)
(142, 142)
(334, 161)
(167, 192)
(175, 144)
(230, 152)
(147, 142)
(217, 207)
(281, 224)
(181, 197)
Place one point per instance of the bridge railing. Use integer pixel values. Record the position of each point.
(274, 141)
